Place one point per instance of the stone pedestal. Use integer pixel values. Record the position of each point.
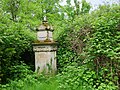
(45, 57)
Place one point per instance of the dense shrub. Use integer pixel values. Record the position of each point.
(92, 39)
(15, 38)
(72, 41)
(104, 47)
(19, 71)
(76, 77)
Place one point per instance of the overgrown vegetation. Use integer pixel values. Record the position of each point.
(14, 41)
(91, 43)
(88, 52)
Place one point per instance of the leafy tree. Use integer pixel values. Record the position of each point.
(75, 10)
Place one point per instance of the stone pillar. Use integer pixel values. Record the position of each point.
(45, 57)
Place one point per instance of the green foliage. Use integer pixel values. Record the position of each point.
(32, 82)
(76, 78)
(92, 40)
(104, 42)
(109, 86)
(14, 40)
(106, 34)
(19, 71)
(85, 7)
(70, 11)
(73, 40)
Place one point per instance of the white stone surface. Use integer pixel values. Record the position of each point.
(45, 58)
(42, 35)
(50, 35)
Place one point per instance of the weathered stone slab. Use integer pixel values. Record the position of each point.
(45, 57)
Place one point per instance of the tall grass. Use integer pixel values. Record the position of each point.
(50, 84)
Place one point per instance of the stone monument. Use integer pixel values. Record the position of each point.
(45, 49)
